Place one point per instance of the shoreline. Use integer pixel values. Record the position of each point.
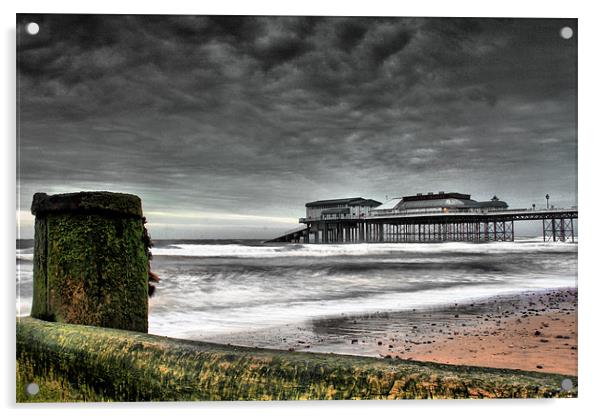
(531, 331)
(536, 331)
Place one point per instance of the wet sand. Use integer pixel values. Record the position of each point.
(535, 331)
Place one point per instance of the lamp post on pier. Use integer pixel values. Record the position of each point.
(547, 201)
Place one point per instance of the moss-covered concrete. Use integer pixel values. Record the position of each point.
(90, 260)
(96, 364)
(87, 201)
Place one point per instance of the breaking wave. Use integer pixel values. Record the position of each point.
(216, 288)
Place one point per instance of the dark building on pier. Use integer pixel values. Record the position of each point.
(342, 208)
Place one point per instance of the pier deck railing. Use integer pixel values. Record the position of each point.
(439, 212)
(471, 211)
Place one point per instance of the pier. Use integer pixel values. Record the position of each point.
(440, 217)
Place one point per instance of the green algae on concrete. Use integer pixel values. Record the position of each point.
(90, 260)
(96, 364)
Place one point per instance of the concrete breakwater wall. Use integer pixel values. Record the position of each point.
(84, 363)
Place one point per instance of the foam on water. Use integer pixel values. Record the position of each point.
(25, 254)
(327, 250)
(24, 284)
(194, 324)
(233, 288)
(217, 289)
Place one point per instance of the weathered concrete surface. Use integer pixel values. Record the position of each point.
(90, 260)
(87, 201)
(95, 364)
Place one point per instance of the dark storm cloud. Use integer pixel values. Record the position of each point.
(257, 115)
(389, 44)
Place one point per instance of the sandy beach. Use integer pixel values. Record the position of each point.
(534, 331)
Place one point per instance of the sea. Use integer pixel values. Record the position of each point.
(235, 291)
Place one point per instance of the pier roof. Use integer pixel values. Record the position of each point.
(435, 203)
(439, 200)
(390, 204)
(353, 201)
(439, 196)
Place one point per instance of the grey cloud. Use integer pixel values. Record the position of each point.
(260, 114)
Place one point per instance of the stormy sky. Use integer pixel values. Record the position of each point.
(227, 126)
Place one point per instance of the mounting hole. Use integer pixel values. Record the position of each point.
(566, 384)
(32, 28)
(32, 389)
(566, 32)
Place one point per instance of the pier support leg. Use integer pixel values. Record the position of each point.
(560, 230)
(551, 228)
(543, 222)
(572, 232)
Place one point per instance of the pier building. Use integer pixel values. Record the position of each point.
(430, 217)
(342, 208)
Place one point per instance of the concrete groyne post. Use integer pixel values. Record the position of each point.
(90, 260)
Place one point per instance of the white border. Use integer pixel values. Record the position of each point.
(589, 190)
